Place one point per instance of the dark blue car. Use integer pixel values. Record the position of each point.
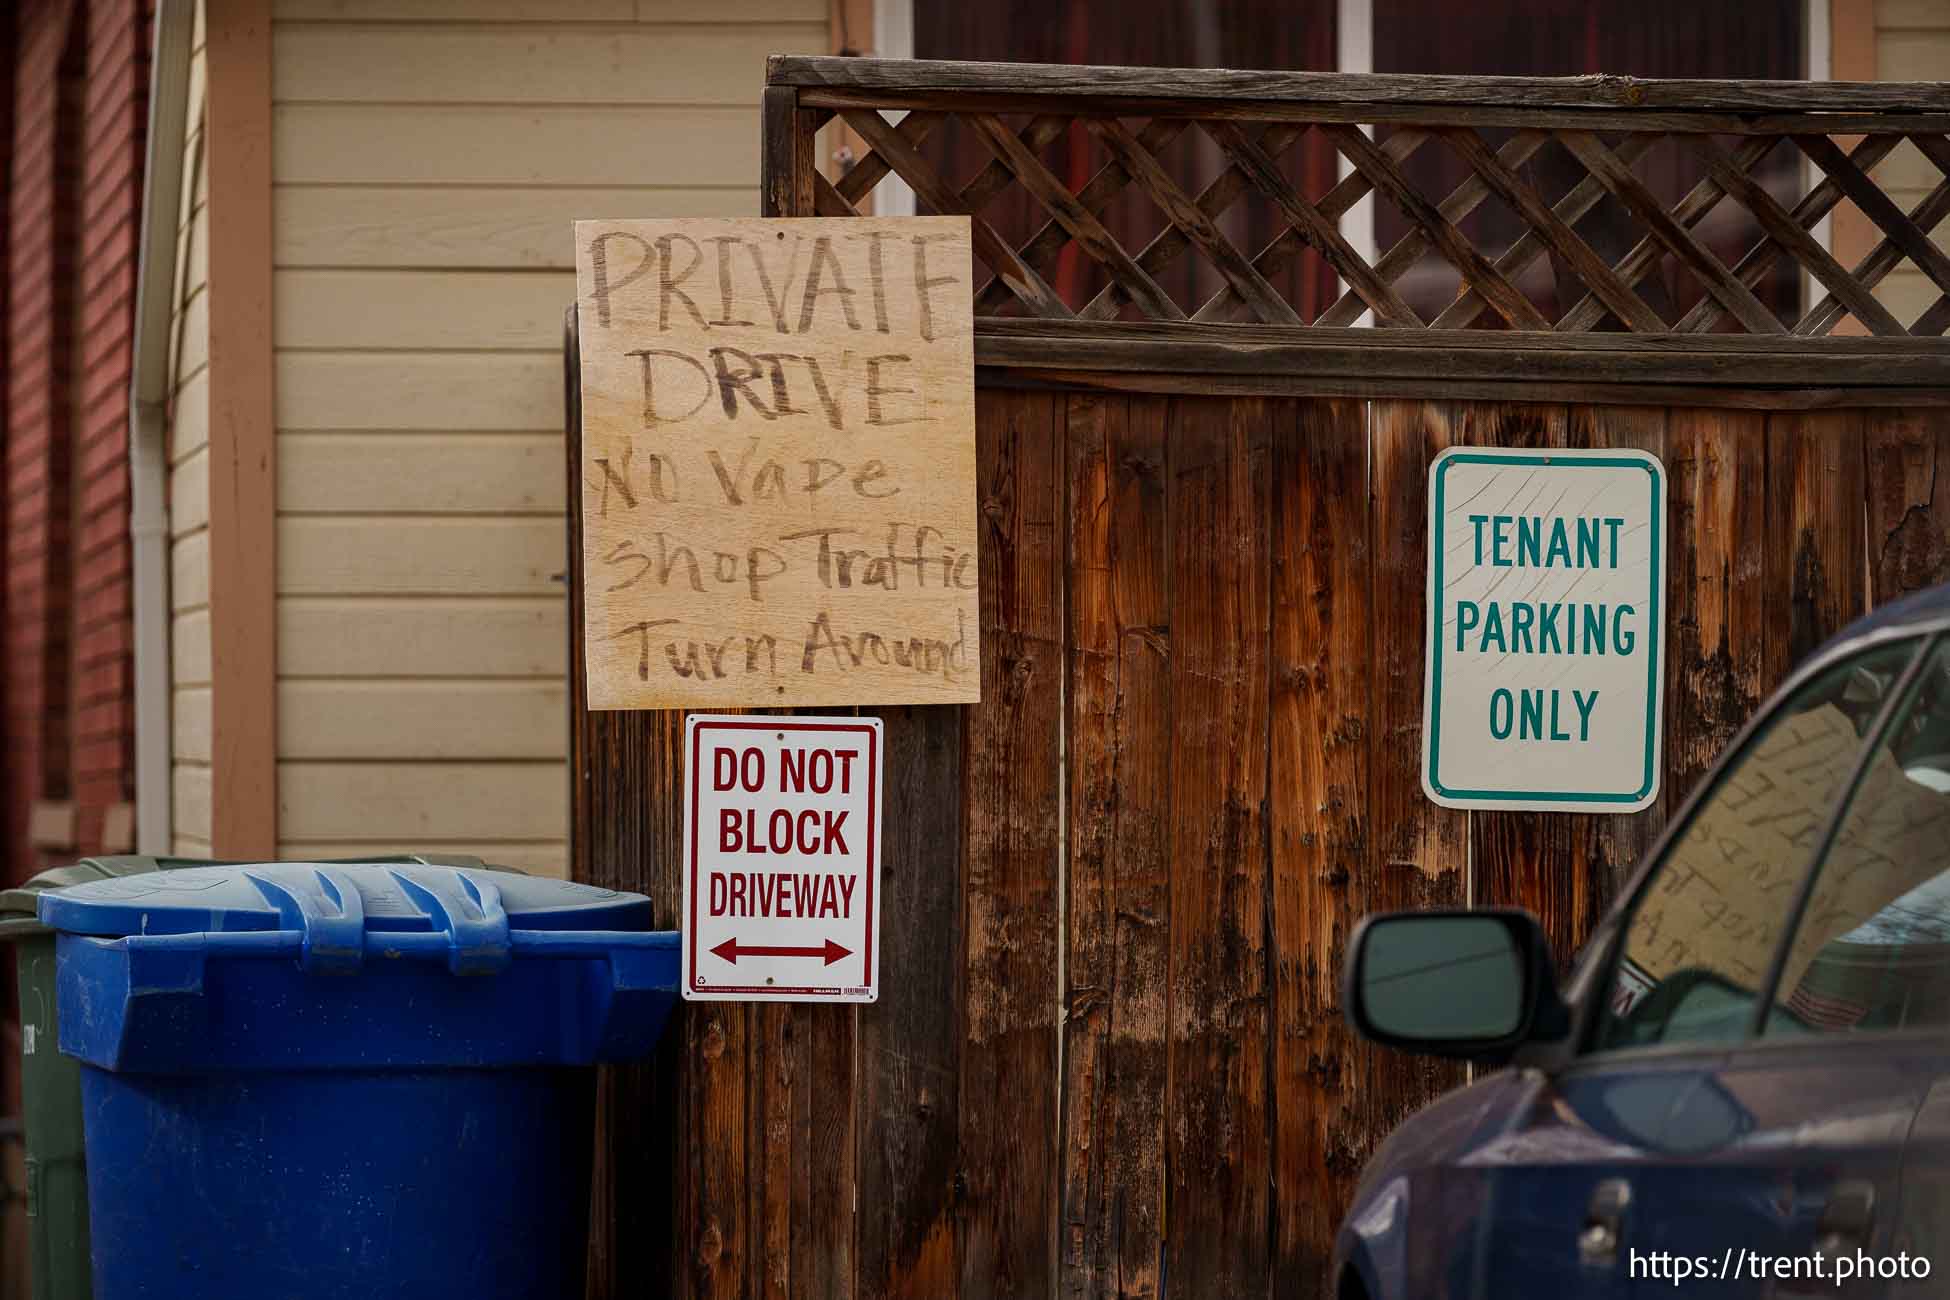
(1743, 1088)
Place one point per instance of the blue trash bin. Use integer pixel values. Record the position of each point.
(309, 1080)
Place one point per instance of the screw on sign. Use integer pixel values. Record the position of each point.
(782, 859)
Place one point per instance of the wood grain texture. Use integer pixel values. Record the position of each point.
(1326, 87)
(1426, 356)
(1489, 390)
(1322, 678)
(1619, 844)
(1009, 1083)
(1908, 484)
(242, 443)
(625, 772)
(1814, 544)
(1113, 1223)
(1418, 851)
(908, 1103)
(1219, 1162)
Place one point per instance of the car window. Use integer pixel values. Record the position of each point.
(1872, 948)
(1705, 927)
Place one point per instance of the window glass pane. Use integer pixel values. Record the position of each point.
(1872, 951)
(1709, 920)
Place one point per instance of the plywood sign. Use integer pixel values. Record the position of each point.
(778, 462)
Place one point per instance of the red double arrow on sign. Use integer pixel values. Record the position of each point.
(731, 950)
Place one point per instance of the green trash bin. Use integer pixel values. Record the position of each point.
(50, 1083)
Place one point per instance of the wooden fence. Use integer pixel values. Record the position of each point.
(1108, 1059)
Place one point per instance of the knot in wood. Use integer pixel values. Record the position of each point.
(713, 1043)
(710, 1244)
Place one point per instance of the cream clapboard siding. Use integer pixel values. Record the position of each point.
(429, 156)
(189, 490)
(1912, 44)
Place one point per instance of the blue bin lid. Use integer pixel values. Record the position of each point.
(335, 905)
(333, 965)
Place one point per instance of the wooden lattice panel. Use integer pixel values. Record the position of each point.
(1727, 142)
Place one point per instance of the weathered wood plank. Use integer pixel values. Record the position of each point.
(1112, 1226)
(769, 1138)
(625, 770)
(996, 327)
(1623, 121)
(1321, 691)
(1908, 486)
(1717, 488)
(907, 1107)
(1620, 842)
(1009, 1083)
(1643, 393)
(1454, 354)
(824, 1188)
(719, 1250)
(1814, 576)
(1417, 853)
(1599, 90)
(1219, 1159)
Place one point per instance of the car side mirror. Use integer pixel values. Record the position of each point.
(1470, 985)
